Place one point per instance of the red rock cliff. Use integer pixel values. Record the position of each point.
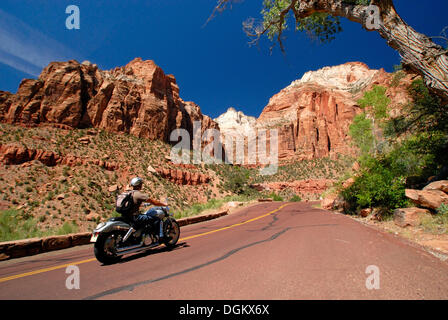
(313, 114)
(138, 99)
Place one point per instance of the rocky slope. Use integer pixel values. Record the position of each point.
(138, 99)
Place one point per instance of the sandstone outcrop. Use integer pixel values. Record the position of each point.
(314, 113)
(139, 99)
(13, 155)
(183, 177)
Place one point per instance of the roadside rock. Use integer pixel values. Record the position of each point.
(80, 238)
(438, 185)
(232, 205)
(56, 243)
(412, 194)
(20, 248)
(365, 212)
(409, 216)
(431, 199)
(329, 201)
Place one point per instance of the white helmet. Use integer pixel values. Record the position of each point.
(136, 182)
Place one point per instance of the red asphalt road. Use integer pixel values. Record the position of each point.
(297, 252)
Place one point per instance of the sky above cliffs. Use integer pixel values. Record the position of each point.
(213, 63)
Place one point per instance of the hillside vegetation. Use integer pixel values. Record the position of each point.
(38, 199)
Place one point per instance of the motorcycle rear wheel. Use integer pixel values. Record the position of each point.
(105, 248)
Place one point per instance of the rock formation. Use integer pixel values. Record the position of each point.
(183, 177)
(314, 113)
(235, 122)
(138, 99)
(13, 155)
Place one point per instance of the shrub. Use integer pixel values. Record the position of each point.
(67, 228)
(295, 198)
(275, 197)
(443, 210)
(14, 227)
(378, 185)
(238, 181)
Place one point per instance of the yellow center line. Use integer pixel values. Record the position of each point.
(26, 274)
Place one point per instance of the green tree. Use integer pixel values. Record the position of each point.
(376, 101)
(361, 133)
(425, 113)
(365, 125)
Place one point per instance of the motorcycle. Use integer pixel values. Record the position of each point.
(120, 236)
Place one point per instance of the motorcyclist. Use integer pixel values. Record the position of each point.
(151, 216)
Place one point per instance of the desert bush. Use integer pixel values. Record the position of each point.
(275, 197)
(295, 198)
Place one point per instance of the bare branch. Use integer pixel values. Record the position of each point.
(221, 6)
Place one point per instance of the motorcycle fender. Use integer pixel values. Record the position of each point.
(108, 226)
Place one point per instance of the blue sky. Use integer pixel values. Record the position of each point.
(213, 64)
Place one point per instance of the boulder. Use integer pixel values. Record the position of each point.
(329, 201)
(150, 169)
(365, 212)
(441, 185)
(92, 216)
(113, 188)
(412, 194)
(410, 216)
(233, 204)
(431, 199)
(348, 183)
(84, 140)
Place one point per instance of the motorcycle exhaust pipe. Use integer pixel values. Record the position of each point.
(130, 247)
(134, 249)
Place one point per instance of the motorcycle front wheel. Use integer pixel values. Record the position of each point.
(172, 231)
